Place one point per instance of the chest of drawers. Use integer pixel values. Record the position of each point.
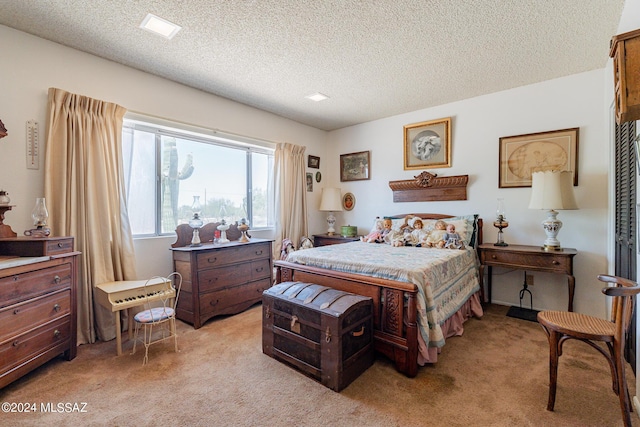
(221, 279)
(37, 304)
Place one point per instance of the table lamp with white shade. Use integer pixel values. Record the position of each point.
(331, 202)
(552, 191)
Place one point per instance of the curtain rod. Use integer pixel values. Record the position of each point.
(161, 121)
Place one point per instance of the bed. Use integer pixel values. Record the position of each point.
(421, 296)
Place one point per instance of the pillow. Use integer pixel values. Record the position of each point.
(464, 226)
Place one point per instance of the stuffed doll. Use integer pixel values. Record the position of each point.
(387, 232)
(418, 236)
(287, 247)
(452, 239)
(436, 237)
(376, 233)
(305, 243)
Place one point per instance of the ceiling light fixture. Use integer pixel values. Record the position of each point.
(160, 26)
(317, 97)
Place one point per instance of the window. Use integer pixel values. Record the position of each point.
(167, 168)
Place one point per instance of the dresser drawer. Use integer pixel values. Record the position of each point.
(232, 255)
(20, 349)
(534, 261)
(224, 277)
(59, 246)
(19, 287)
(18, 318)
(30, 246)
(261, 269)
(223, 299)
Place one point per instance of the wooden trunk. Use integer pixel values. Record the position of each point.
(325, 333)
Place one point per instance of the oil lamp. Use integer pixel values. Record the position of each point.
(500, 223)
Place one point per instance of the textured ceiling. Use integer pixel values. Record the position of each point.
(373, 58)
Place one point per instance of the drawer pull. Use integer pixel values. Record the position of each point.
(214, 303)
(16, 278)
(59, 245)
(212, 260)
(259, 269)
(259, 252)
(554, 262)
(56, 333)
(16, 311)
(494, 257)
(16, 343)
(358, 333)
(57, 279)
(56, 307)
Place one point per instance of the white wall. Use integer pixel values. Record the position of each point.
(31, 65)
(477, 125)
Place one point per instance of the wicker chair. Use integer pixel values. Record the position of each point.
(562, 325)
(162, 317)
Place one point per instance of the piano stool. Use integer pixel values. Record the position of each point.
(126, 294)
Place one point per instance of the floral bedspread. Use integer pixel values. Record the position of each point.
(445, 278)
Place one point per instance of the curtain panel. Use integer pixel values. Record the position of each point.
(291, 195)
(86, 199)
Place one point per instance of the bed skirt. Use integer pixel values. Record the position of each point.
(453, 326)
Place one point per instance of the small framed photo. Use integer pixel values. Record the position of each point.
(318, 176)
(428, 144)
(354, 166)
(348, 201)
(313, 162)
(521, 155)
(309, 181)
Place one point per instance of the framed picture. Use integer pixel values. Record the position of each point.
(309, 181)
(348, 201)
(521, 155)
(428, 144)
(354, 166)
(318, 176)
(313, 162)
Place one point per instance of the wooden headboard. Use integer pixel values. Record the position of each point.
(428, 187)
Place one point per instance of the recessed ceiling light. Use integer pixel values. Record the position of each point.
(317, 97)
(160, 26)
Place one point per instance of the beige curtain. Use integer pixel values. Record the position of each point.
(86, 199)
(291, 195)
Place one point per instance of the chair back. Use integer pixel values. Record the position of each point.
(167, 300)
(623, 293)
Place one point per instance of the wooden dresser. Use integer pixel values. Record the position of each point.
(221, 278)
(38, 279)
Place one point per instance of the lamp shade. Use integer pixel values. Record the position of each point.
(552, 190)
(331, 200)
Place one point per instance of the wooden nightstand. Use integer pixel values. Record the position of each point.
(325, 239)
(532, 258)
